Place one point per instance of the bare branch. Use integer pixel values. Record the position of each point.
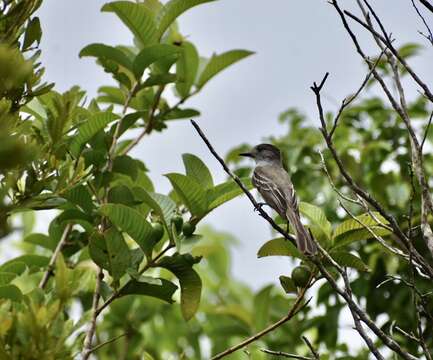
(295, 308)
(427, 5)
(286, 355)
(388, 43)
(426, 131)
(311, 347)
(49, 272)
(87, 348)
(429, 37)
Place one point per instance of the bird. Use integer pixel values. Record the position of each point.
(273, 183)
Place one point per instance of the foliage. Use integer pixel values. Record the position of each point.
(165, 284)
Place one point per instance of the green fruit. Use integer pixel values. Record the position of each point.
(301, 275)
(177, 220)
(157, 232)
(188, 229)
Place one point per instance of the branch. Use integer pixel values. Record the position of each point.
(87, 348)
(402, 61)
(262, 213)
(427, 5)
(429, 37)
(50, 270)
(296, 307)
(97, 347)
(286, 355)
(353, 306)
(312, 350)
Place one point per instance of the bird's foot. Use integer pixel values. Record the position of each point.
(259, 206)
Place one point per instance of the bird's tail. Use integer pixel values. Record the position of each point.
(304, 241)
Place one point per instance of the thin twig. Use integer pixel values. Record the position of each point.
(402, 61)
(242, 186)
(429, 37)
(427, 5)
(296, 307)
(97, 347)
(87, 348)
(286, 355)
(311, 347)
(426, 130)
(49, 272)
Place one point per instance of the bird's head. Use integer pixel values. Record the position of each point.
(264, 153)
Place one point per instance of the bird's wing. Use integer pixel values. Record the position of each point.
(276, 188)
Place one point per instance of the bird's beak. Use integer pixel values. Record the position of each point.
(246, 154)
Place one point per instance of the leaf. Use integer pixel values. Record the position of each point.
(41, 240)
(218, 63)
(193, 195)
(13, 266)
(163, 205)
(163, 292)
(31, 261)
(226, 191)
(196, 169)
(317, 217)
(89, 129)
(137, 17)
(106, 52)
(6, 277)
(10, 292)
(171, 10)
(130, 221)
(186, 68)
(190, 283)
(351, 230)
(287, 284)
(347, 259)
(177, 114)
(279, 247)
(110, 252)
(33, 33)
(261, 307)
(80, 195)
(150, 54)
(159, 79)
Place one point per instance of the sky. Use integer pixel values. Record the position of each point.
(295, 42)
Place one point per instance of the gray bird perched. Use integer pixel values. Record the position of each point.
(276, 188)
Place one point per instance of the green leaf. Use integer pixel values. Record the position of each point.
(409, 50)
(178, 114)
(287, 284)
(106, 52)
(218, 63)
(6, 277)
(346, 259)
(159, 79)
(80, 195)
(110, 252)
(196, 169)
(13, 266)
(151, 54)
(317, 218)
(191, 192)
(89, 129)
(226, 191)
(41, 240)
(279, 247)
(131, 222)
(190, 283)
(31, 261)
(161, 204)
(137, 17)
(163, 292)
(261, 307)
(352, 230)
(10, 292)
(33, 33)
(186, 68)
(173, 9)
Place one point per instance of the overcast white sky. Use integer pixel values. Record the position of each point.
(295, 42)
